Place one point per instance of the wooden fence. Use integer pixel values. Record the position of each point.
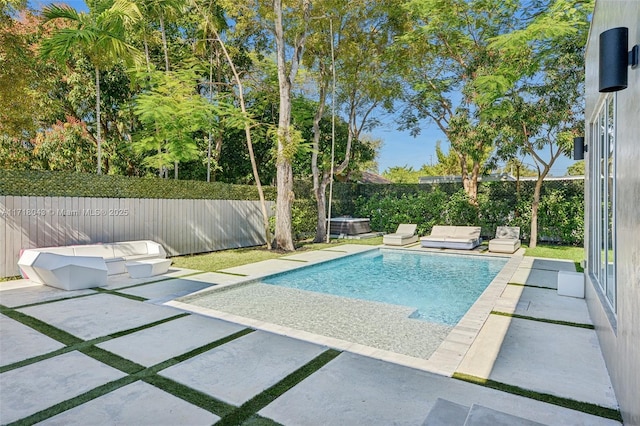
(181, 226)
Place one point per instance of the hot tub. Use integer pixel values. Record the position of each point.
(349, 226)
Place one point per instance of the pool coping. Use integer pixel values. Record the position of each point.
(443, 361)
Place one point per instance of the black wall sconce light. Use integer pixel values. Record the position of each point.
(614, 59)
(579, 148)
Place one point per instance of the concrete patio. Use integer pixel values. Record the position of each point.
(120, 355)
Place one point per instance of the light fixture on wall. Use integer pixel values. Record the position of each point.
(579, 148)
(614, 59)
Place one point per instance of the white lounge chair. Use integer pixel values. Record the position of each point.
(507, 240)
(405, 234)
(453, 237)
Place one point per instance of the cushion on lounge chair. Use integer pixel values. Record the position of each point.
(405, 234)
(507, 240)
(455, 237)
(508, 232)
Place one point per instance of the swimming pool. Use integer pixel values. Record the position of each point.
(441, 287)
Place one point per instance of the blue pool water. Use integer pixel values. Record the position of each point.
(441, 287)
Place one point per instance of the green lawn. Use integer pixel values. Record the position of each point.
(215, 261)
(575, 254)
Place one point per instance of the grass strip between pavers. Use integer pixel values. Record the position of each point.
(255, 404)
(74, 402)
(138, 372)
(79, 344)
(256, 420)
(117, 293)
(45, 302)
(585, 407)
(190, 395)
(532, 286)
(197, 351)
(548, 321)
(179, 277)
(41, 326)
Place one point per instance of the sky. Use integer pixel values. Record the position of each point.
(399, 148)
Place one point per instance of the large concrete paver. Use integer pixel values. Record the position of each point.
(542, 303)
(356, 390)
(351, 248)
(313, 256)
(548, 264)
(535, 277)
(167, 290)
(136, 404)
(34, 293)
(35, 387)
(264, 268)
(164, 341)
(237, 371)
(19, 342)
(118, 281)
(98, 315)
(555, 359)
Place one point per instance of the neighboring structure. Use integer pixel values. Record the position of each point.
(493, 177)
(612, 195)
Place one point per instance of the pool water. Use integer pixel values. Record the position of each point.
(441, 287)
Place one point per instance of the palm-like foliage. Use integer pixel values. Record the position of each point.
(100, 37)
(162, 10)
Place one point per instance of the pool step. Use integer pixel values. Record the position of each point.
(447, 413)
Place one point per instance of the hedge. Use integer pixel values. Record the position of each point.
(560, 214)
(65, 184)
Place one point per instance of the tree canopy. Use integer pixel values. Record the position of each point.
(284, 90)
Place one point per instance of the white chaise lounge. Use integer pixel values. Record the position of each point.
(405, 234)
(85, 266)
(452, 237)
(507, 240)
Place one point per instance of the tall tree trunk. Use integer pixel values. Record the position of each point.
(165, 47)
(321, 204)
(469, 183)
(247, 131)
(319, 185)
(146, 54)
(284, 171)
(98, 124)
(533, 238)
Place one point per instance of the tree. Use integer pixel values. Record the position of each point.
(171, 111)
(18, 97)
(402, 174)
(364, 84)
(66, 146)
(447, 49)
(576, 169)
(162, 9)
(99, 36)
(287, 138)
(210, 27)
(536, 99)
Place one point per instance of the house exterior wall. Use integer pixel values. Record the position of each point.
(618, 330)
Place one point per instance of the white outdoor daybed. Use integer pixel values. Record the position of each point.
(452, 237)
(405, 234)
(507, 240)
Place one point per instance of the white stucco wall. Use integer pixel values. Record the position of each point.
(619, 332)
